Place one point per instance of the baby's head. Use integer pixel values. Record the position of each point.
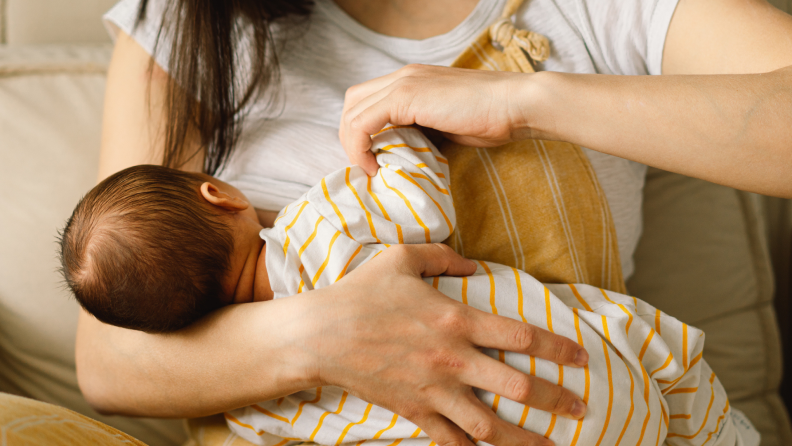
(154, 249)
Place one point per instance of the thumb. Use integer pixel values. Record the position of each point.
(438, 259)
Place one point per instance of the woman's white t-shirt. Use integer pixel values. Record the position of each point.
(290, 142)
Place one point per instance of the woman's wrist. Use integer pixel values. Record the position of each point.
(537, 100)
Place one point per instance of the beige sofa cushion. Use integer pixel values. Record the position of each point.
(50, 21)
(703, 258)
(50, 116)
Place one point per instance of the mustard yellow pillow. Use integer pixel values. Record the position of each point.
(29, 422)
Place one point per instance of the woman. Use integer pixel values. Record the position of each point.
(703, 126)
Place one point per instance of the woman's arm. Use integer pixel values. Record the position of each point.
(420, 364)
(731, 128)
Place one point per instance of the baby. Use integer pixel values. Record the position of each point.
(155, 249)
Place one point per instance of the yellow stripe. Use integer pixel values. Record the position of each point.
(424, 177)
(234, 420)
(547, 310)
(586, 374)
(492, 286)
(646, 399)
(532, 372)
(280, 400)
(580, 298)
(326, 260)
(313, 236)
(632, 406)
(684, 347)
(349, 262)
(496, 400)
(393, 423)
(286, 230)
(665, 364)
(439, 208)
(673, 383)
(560, 367)
(519, 294)
(362, 206)
(441, 160)
(717, 425)
(416, 149)
(646, 345)
(282, 442)
(610, 379)
(683, 390)
(303, 403)
(435, 282)
(285, 211)
(399, 440)
(349, 426)
(623, 308)
(324, 415)
(393, 127)
(706, 416)
(409, 206)
(680, 416)
(464, 290)
(270, 414)
(382, 209)
(660, 425)
(302, 281)
(335, 208)
(657, 321)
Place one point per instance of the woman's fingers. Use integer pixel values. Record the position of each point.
(481, 423)
(492, 331)
(493, 376)
(473, 106)
(430, 260)
(442, 431)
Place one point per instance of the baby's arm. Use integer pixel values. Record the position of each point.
(408, 201)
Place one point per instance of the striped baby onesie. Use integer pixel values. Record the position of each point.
(646, 381)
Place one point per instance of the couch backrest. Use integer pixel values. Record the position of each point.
(53, 21)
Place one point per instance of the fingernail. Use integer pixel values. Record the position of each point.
(581, 358)
(579, 409)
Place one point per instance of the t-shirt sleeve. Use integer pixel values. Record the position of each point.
(122, 17)
(622, 36)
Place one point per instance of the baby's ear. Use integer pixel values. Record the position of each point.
(216, 197)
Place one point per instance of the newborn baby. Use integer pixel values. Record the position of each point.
(155, 249)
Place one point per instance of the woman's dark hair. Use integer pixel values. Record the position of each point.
(206, 90)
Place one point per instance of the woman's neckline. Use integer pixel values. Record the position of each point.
(429, 50)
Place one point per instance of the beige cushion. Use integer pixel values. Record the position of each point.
(703, 258)
(50, 116)
(51, 21)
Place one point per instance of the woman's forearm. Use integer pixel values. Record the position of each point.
(729, 129)
(237, 356)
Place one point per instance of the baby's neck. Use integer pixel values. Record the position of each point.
(262, 290)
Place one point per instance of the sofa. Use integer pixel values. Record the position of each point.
(714, 257)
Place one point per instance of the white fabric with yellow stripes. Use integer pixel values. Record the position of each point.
(646, 381)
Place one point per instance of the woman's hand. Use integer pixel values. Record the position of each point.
(388, 337)
(471, 107)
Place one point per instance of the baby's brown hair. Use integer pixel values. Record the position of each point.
(143, 250)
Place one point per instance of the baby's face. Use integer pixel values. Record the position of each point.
(247, 279)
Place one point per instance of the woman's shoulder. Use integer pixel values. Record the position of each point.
(123, 17)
